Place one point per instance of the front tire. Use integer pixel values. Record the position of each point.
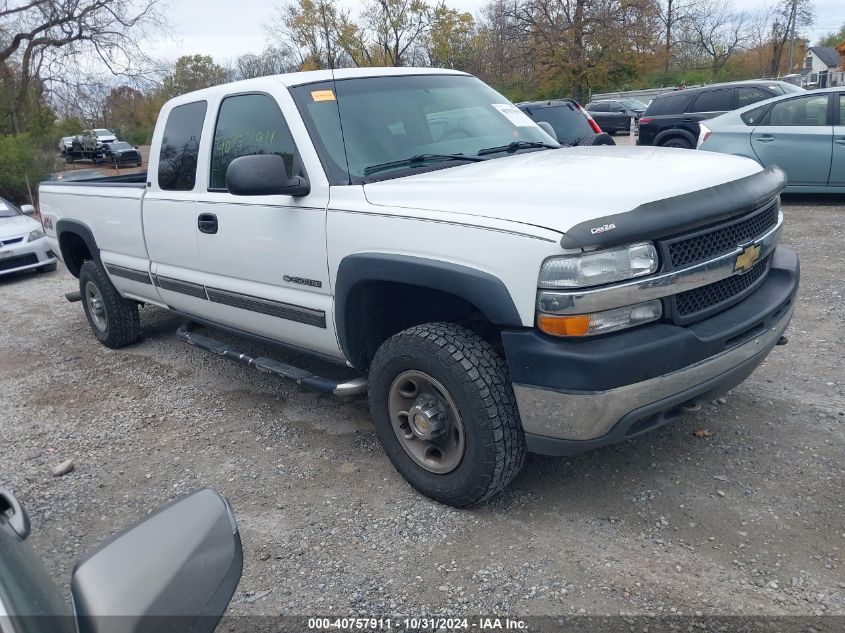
(445, 413)
(113, 319)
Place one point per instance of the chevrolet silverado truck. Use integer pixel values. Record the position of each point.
(494, 293)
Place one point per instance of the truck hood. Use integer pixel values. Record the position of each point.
(559, 189)
(17, 225)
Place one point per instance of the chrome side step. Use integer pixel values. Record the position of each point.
(303, 377)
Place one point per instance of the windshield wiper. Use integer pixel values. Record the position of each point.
(418, 159)
(516, 145)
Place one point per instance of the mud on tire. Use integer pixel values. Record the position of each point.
(113, 319)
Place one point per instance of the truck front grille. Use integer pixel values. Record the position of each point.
(701, 302)
(689, 250)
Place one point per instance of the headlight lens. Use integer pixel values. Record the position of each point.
(35, 235)
(599, 267)
(600, 322)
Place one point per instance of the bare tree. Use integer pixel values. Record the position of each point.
(717, 33)
(54, 35)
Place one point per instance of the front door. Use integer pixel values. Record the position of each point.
(797, 137)
(263, 258)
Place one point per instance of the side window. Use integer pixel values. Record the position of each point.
(248, 125)
(842, 108)
(747, 96)
(714, 101)
(672, 104)
(177, 162)
(811, 110)
(753, 117)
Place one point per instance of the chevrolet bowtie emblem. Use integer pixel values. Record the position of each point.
(747, 258)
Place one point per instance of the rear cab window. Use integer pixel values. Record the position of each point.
(177, 163)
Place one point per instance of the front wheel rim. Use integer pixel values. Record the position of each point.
(426, 421)
(96, 306)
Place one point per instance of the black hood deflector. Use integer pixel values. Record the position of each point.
(686, 212)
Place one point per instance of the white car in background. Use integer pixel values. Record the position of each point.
(22, 242)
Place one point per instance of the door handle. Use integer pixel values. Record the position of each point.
(688, 120)
(207, 223)
(841, 141)
(765, 139)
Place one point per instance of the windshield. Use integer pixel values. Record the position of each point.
(419, 117)
(102, 133)
(789, 88)
(121, 145)
(633, 104)
(7, 210)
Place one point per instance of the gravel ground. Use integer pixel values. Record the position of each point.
(745, 520)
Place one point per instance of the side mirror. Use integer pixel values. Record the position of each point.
(27, 209)
(548, 129)
(264, 175)
(176, 571)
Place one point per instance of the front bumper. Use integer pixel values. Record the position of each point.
(23, 255)
(578, 395)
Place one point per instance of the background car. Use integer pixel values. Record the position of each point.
(572, 124)
(91, 140)
(120, 153)
(614, 115)
(23, 245)
(803, 134)
(672, 119)
(65, 144)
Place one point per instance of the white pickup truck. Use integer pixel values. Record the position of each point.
(498, 293)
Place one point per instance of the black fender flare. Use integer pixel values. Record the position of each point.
(65, 226)
(684, 134)
(486, 292)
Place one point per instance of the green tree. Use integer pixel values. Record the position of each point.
(449, 41)
(833, 39)
(192, 72)
(22, 166)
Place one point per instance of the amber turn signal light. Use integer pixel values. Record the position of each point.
(574, 325)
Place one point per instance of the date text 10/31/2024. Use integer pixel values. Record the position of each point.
(416, 624)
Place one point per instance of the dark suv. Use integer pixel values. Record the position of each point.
(671, 119)
(614, 115)
(572, 125)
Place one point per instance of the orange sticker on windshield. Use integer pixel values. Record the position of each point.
(322, 95)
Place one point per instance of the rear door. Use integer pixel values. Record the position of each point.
(797, 136)
(837, 167)
(264, 262)
(170, 209)
(708, 104)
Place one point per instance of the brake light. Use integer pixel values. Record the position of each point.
(645, 120)
(703, 134)
(590, 120)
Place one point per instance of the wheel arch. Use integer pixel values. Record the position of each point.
(76, 243)
(388, 281)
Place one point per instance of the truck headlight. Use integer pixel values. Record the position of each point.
(37, 234)
(599, 267)
(600, 322)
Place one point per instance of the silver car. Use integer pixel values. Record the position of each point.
(803, 134)
(23, 245)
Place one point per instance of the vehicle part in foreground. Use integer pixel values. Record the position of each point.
(175, 570)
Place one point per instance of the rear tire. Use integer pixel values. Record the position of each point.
(460, 376)
(677, 142)
(597, 139)
(113, 319)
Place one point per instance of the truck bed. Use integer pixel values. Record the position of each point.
(139, 180)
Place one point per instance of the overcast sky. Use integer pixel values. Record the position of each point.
(226, 29)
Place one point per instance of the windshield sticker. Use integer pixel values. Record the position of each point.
(514, 115)
(322, 95)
